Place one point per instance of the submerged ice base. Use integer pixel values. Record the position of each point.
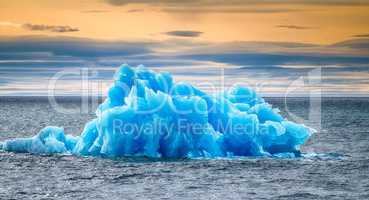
(147, 114)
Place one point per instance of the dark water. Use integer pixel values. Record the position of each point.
(339, 171)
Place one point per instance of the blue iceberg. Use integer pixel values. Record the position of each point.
(148, 114)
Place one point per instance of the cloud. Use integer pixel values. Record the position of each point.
(184, 33)
(227, 10)
(39, 27)
(95, 11)
(240, 53)
(294, 27)
(36, 58)
(235, 6)
(135, 10)
(51, 28)
(72, 47)
(234, 53)
(10, 24)
(265, 59)
(361, 36)
(199, 7)
(358, 44)
(237, 2)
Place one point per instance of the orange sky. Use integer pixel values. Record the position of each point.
(311, 23)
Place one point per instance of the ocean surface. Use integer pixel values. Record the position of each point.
(335, 163)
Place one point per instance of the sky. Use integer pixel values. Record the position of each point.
(270, 45)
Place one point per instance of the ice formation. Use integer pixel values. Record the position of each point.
(147, 114)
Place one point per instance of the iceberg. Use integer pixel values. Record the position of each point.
(148, 114)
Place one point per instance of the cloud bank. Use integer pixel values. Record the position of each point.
(95, 11)
(361, 36)
(236, 2)
(184, 33)
(51, 28)
(135, 10)
(40, 27)
(344, 64)
(294, 27)
(235, 6)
